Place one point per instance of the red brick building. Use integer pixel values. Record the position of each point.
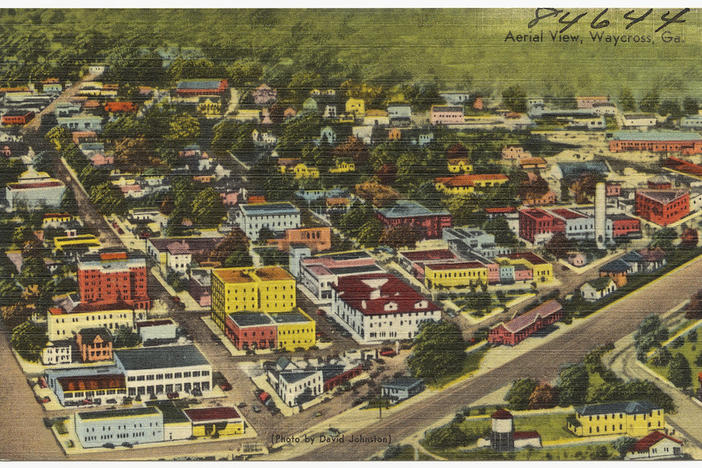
(113, 277)
(625, 226)
(520, 328)
(662, 207)
(316, 238)
(657, 142)
(122, 106)
(251, 330)
(17, 118)
(428, 223)
(335, 375)
(534, 221)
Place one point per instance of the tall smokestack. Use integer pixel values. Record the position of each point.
(600, 215)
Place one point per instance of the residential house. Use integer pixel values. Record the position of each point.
(375, 118)
(94, 344)
(357, 107)
(264, 95)
(459, 165)
(468, 183)
(81, 121)
(595, 290)
(401, 388)
(201, 87)
(617, 270)
(399, 114)
(655, 446)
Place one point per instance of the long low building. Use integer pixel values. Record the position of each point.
(95, 384)
(380, 307)
(125, 426)
(656, 141)
(525, 325)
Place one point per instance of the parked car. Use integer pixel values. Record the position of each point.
(380, 361)
(175, 299)
(256, 409)
(111, 401)
(321, 312)
(172, 395)
(388, 353)
(225, 386)
(264, 397)
(242, 404)
(109, 445)
(127, 444)
(257, 392)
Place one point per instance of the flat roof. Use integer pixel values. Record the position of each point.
(567, 214)
(250, 319)
(160, 357)
(273, 273)
(289, 317)
(656, 136)
(171, 414)
(269, 208)
(355, 269)
(119, 413)
(199, 415)
(232, 275)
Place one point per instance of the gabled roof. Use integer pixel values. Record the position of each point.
(542, 311)
(600, 283)
(628, 407)
(645, 443)
(615, 266)
(89, 334)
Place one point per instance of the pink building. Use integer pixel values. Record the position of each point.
(446, 115)
(522, 273)
(100, 159)
(515, 152)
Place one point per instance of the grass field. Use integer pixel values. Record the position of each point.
(471, 363)
(549, 426)
(690, 350)
(575, 453)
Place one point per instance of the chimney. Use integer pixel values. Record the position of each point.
(600, 215)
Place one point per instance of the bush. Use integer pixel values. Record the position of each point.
(692, 336)
(677, 342)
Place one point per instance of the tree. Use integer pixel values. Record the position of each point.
(690, 106)
(671, 108)
(664, 238)
(125, 338)
(626, 100)
(403, 235)
(439, 350)
(480, 301)
(565, 192)
(301, 83)
(207, 208)
(514, 98)
(28, 339)
(183, 129)
(679, 372)
(234, 242)
(238, 259)
(520, 392)
(543, 396)
(559, 245)
(245, 72)
(623, 444)
(447, 437)
(573, 383)
(499, 228)
(662, 357)
(370, 232)
(649, 103)
(422, 95)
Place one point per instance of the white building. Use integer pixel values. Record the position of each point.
(159, 329)
(81, 122)
(56, 352)
(380, 307)
(274, 216)
(363, 133)
(655, 446)
(179, 257)
(597, 289)
(399, 114)
(638, 121)
(164, 369)
(65, 321)
(131, 425)
(34, 190)
(291, 383)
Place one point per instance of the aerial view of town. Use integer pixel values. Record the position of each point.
(350, 234)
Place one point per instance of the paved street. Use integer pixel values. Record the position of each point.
(617, 320)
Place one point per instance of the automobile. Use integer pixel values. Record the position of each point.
(328, 319)
(318, 414)
(119, 230)
(257, 392)
(357, 401)
(319, 334)
(127, 444)
(225, 386)
(111, 401)
(144, 235)
(87, 402)
(42, 382)
(321, 312)
(109, 445)
(172, 395)
(242, 404)
(346, 334)
(256, 409)
(380, 361)
(264, 397)
(388, 353)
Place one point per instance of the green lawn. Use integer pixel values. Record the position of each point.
(406, 453)
(690, 353)
(471, 363)
(575, 453)
(549, 426)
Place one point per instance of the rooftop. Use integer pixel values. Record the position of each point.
(650, 440)
(199, 84)
(521, 322)
(160, 357)
(531, 257)
(200, 415)
(171, 414)
(628, 407)
(289, 317)
(615, 266)
(455, 266)
(656, 136)
(409, 208)
(424, 255)
(250, 319)
(600, 283)
(567, 214)
(119, 413)
(403, 382)
(663, 196)
(268, 209)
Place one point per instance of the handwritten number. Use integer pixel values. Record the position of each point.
(564, 20)
(634, 20)
(547, 13)
(666, 17)
(602, 24)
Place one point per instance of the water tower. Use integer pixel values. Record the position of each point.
(502, 435)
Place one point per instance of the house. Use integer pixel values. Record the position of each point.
(303, 171)
(200, 287)
(114, 107)
(270, 289)
(515, 153)
(343, 166)
(116, 427)
(296, 386)
(632, 418)
(94, 344)
(662, 207)
(652, 259)
(52, 86)
(656, 142)
(219, 421)
(276, 217)
(209, 106)
(468, 183)
(588, 102)
(399, 114)
(264, 95)
(456, 98)
(446, 115)
(310, 106)
(327, 135)
(525, 325)
(56, 220)
(201, 87)
(81, 121)
(363, 133)
(376, 118)
(244, 115)
(577, 259)
(638, 121)
(458, 165)
(532, 163)
(357, 107)
(401, 388)
(57, 352)
(595, 290)
(157, 330)
(617, 270)
(655, 446)
(380, 307)
(160, 370)
(429, 223)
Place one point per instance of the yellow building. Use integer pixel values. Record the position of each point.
(303, 171)
(210, 106)
(87, 241)
(542, 271)
(455, 275)
(266, 289)
(356, 107)
(342, 167)
(468, 183)
(459, 165)
(295, 330)
(62, 324)
(219, 421)
(633, 418)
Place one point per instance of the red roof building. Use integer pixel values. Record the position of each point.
(662, 207)
(121, 106)
(17, 118)
(525, 325)
(112, 277)
(202, 415)
(534, 222)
